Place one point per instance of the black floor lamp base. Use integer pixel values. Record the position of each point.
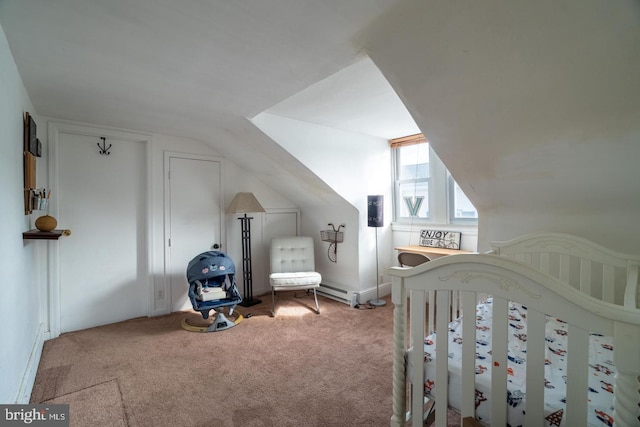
(249, 302)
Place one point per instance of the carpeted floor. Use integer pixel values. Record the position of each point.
(297, 369)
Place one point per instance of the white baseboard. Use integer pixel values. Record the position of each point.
(335, 293)
(354, 297)
(372, 293)
(29, 376)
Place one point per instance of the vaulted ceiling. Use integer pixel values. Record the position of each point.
(181, 68)
(533, 106)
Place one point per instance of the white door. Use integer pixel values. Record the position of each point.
(101, 198)
(194, 218)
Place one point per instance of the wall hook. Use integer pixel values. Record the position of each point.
(104, 149)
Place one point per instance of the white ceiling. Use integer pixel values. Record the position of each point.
(182, 67)
(357, 99)
(522, 100)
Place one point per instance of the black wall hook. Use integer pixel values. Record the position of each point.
(104, 149)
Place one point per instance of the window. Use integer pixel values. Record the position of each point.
(461, 207)
(423, 186)
(413, 180)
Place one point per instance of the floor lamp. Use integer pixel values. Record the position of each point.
(375, 219)
(245, 203)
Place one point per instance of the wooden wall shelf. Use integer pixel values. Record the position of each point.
(44, 235)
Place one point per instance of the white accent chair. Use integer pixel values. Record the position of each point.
(293, 267)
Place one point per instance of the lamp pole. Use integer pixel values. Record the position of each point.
(247, 279)
(375, 219)
(242, 203)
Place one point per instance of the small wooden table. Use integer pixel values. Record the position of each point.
(430, 252)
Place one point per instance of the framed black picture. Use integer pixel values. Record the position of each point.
(25, 145)
(33, 138)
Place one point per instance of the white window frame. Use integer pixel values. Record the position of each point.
(440, 189)
(451, 197)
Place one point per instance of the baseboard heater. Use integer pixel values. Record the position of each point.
(336, 293)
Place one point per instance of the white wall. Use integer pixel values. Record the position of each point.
(354, 166)
(24, 323)
(235, 179)
(22, 263)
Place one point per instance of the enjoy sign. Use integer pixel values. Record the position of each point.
(440, 239)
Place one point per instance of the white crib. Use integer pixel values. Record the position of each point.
(593, 289)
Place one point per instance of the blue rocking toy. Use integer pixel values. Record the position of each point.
(212, 286)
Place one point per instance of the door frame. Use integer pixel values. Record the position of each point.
(167, 210)
(54, 129)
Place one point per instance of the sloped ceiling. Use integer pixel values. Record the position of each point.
(356, 99)
(179, 68)
(203, 69)
(533, 106)
(532, 102)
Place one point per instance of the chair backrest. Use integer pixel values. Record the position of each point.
(410, 259)
(292, 254)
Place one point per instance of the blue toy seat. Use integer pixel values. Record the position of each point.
(213, 270)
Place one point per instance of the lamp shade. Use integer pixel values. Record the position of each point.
(244, 203)
(375, 210)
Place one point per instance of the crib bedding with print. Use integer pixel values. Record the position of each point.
(601, 369)
(544, 348)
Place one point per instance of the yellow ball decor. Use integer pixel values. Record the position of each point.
(46, 223)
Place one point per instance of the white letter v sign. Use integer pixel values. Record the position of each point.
(413, 204)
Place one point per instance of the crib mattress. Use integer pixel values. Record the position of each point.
(601, 370)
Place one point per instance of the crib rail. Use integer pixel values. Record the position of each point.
(593, 269)
(456, 284)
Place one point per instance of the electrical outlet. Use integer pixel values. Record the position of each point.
(160, 294)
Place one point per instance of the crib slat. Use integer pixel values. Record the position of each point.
(535, 368)
(577, 379)
(535, 260)
(499, 355)
(545, 263)
(631, 290)
(608, 288)
(564, 268)
(523, 258)
(585, 276)
(468, 353)
(418, 302)
(432, 311)
(455, 309)
(442, 358)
